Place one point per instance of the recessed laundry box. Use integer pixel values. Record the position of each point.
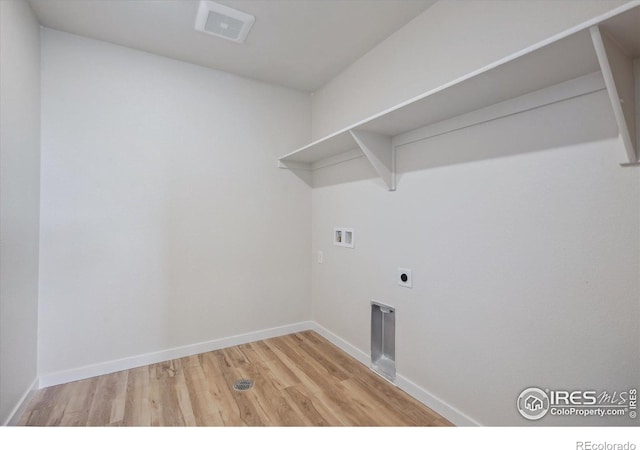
(383, 340)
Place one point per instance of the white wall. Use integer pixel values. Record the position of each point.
(19, 201)
(165, 221)
(523, 233)
(523, 236)
(448, 40)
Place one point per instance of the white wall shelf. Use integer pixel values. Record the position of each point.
(559, 68)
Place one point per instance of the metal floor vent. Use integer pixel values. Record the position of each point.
(243, 384)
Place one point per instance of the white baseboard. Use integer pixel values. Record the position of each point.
(342, 344)
(22, 404)
(441, 407)
(415, 391)
(80, 373)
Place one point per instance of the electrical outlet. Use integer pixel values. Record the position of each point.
(404, 277)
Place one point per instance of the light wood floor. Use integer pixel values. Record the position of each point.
(300, 380)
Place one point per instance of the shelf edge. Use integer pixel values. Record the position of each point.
(568, 32)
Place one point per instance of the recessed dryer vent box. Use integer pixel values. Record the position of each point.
(343, 237)
(383, 340)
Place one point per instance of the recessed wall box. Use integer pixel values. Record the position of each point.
(343, 237)
(383, 340)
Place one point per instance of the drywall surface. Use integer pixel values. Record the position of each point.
(523, 235)
(19, 201)
(447, 41)
(165, 221)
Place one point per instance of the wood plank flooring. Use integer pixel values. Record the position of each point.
(300, 380)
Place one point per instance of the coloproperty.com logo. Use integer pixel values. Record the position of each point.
(535, 403)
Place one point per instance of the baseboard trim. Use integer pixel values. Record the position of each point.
(422, 395)
(80, 373)
(441, 407)
(22, 404)
(352, 350)
(93, 370)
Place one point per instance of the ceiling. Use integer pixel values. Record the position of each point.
(300, 44)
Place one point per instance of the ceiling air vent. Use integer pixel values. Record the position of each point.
(222, 21)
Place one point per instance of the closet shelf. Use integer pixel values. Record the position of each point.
(560, 68)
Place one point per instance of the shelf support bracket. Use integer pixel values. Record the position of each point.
(381, 154)
(617, 71)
